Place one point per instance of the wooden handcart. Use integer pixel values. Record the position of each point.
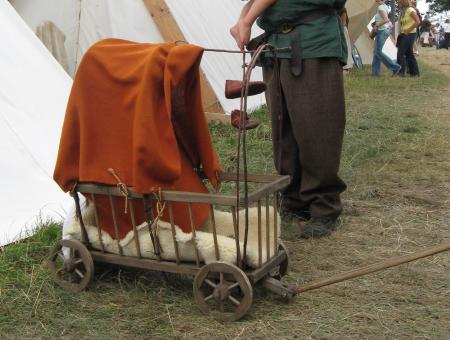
(220, 288)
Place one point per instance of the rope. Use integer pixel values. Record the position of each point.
(247, 71)
(121, 186)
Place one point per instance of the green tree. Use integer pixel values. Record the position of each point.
(438, 6)
(395, 12)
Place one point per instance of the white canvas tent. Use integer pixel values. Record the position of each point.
(202, 22)
(361, 14)
(365, 47)
(34, 88)
(33, 95)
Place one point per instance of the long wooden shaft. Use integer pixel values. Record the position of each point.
(396, 261)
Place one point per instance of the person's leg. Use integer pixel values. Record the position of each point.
(447, 40)
(410, 58)
(285, 149)
(382, 36)
(316, 107)
(376, 62)
(401, 59)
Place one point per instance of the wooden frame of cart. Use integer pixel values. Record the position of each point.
(220, 288)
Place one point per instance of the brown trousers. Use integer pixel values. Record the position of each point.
(308, 121)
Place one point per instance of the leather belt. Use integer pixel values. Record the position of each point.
(296, 48)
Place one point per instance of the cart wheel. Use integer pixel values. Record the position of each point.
(74, 272)
(223, 290)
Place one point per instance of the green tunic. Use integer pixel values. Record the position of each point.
(321, 38)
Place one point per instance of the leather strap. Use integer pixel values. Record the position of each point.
(296, 48)
(296, 53)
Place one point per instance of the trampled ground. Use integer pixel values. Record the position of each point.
(397, 164)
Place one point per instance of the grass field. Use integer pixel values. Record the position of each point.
(396, 162)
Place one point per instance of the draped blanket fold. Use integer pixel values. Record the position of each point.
(136, 108)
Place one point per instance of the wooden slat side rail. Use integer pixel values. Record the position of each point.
(236, 236)
(174, 237)
(259, 235)
(253, 178)
(135, 232)
(259, 273)
(267, 229)
(275, 223)
(214, 231)
(194, 236)
(192, 197)
(174, 196)
(268, 189)
(116, 226)
(99, 232)
(170, 31)
(149, 264)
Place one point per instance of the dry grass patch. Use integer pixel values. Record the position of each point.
(396, 163)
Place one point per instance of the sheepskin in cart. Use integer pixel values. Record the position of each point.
(135, 144)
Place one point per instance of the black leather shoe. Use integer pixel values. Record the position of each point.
(318, 227)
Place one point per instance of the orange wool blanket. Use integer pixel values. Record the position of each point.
(136, 108)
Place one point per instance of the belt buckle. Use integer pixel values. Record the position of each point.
(286, 28)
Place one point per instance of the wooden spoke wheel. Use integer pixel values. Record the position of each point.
(71, 265)
(223, 290)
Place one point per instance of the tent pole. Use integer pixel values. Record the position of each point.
(170, 31)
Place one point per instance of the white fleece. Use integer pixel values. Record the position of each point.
(204, 237)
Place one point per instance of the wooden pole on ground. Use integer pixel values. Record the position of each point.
(393, 262)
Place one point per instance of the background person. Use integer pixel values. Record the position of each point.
(437, 35)
(425, 29)
(413, 4)
(305, 95)
(345, 21)
(409, 21)
(446, 43)
(381, 30)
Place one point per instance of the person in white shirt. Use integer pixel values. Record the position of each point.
(381, 32)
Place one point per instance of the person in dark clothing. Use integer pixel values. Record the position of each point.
(409, 21)
(305, 96)
(425, 29)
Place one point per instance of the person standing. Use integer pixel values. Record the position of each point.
(305, 95)
(381, 30)
(437, 35)
(409, 21)
(413, 4)
(345, 21)
(425, 29)
(446, 43)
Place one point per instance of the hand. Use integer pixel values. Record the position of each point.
(241, 33)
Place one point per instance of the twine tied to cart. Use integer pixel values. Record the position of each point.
(121, 186)
(160, 206)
